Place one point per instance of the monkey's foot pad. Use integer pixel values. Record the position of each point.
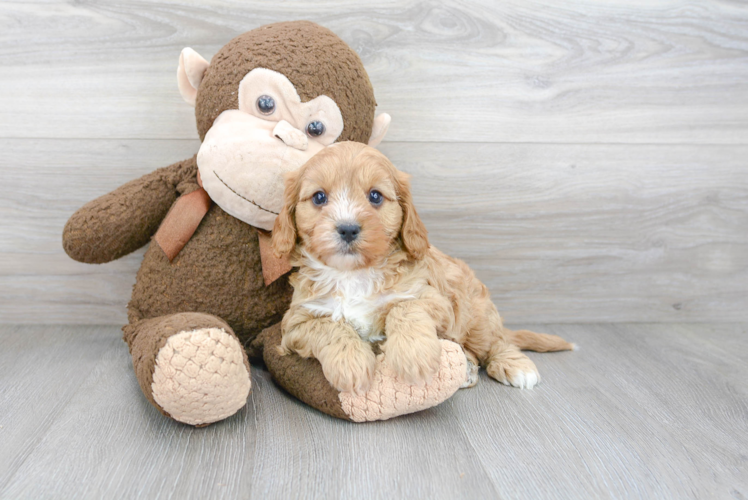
(389, 396)
(200, 376)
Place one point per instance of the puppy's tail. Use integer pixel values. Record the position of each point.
(538, 342)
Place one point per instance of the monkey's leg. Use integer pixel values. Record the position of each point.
(388, 395)
(190, 366)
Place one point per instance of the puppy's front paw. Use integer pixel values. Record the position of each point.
(414, 359)
(348, 366)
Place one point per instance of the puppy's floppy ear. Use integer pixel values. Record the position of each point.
(412, 233)
(284, 230)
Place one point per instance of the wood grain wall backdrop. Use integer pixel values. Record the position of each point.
(588, 160)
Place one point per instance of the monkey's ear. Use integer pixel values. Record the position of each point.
(379, 129)
(190, 73)
(284, 231)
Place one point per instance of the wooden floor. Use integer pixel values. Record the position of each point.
(640, 411)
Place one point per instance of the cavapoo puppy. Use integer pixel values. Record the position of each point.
(369, 278)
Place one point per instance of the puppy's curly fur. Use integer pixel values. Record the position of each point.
(368, 274)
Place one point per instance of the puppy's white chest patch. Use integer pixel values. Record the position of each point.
(360, 313)
(353, 297)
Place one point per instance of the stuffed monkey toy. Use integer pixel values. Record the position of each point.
(210, 293)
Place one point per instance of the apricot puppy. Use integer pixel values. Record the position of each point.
(367, 274)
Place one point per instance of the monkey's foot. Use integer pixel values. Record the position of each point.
(190, 366)
(389, 396)
(200, 376)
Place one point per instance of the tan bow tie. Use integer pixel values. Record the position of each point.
(181, 223)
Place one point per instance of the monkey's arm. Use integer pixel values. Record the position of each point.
(124, 220)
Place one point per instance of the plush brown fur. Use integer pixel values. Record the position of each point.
(387, 282)
(218, 272)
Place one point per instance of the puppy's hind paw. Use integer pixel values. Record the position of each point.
(517, 371)
(524, 380)
(472, 375)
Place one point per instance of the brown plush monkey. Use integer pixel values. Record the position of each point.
(207, 288)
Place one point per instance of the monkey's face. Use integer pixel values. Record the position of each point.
(268, 101)
(248, 150)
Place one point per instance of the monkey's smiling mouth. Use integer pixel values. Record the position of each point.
(241, 196)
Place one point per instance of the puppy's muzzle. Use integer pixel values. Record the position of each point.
(348, 232)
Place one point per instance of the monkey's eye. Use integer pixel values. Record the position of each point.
(266, 104)
(319, 198)
(315, 129)
(375, 197)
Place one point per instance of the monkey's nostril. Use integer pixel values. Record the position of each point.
(349, 232)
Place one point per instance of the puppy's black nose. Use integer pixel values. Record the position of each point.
(349, 232)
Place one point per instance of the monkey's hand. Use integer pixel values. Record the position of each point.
(124, 220)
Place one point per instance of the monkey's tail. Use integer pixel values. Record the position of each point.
(539, 342)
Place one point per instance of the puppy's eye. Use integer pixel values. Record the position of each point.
(375, 197)
(319, 198)
(266, 104)
(315, 129)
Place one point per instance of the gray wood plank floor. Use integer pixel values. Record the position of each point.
(640, 411)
